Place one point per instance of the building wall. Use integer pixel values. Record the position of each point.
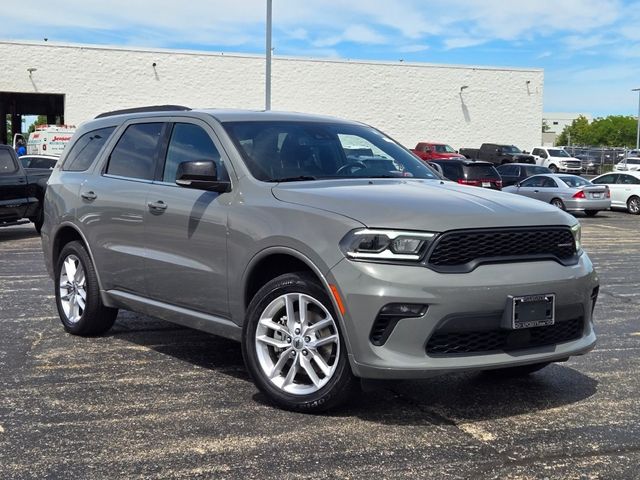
(557, 121)
(411, 102)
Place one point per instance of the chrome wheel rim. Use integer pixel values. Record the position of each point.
(73, 288)
(558, 204)
(634, 205)
(297, 344)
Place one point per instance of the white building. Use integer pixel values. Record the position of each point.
(460, 105)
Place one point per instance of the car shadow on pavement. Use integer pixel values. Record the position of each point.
(471, 397)
(8, 234)
(442, 400)
(193, 346)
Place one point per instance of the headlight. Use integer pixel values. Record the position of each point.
(386, 244)
(577, 235)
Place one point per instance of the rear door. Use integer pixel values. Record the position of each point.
(626, 187)
(618, 198)
(186, 229)
(13, 187)
(113, 205)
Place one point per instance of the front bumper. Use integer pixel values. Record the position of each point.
(367, 287)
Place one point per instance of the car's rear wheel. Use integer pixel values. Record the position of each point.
(633, 205)
(519, 371)
(591, 213)
(556, 202)
(78, 295)
(293, 346)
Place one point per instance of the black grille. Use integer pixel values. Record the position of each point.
(465, 249)
(500, 340)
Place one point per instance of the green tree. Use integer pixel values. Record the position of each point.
(579, 131)
(41, 120)
(611, 131)
(614, 130)
(545, 126)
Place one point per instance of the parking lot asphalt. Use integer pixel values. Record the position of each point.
(156, 400)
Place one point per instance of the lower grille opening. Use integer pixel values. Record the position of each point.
(501, 340)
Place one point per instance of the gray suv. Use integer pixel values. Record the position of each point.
(330, 251)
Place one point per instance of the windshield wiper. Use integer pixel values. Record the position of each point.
(299, 178)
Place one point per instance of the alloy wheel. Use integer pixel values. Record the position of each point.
(73, 288)
(297, 344)
(634, 205)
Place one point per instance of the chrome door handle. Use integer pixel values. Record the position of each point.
(158, 206)
(89, 196)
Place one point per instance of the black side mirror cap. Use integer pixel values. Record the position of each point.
(201, 175)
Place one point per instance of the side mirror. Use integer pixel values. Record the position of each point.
(201, 175)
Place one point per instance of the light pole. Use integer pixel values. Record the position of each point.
(638, 132)
(267, 86)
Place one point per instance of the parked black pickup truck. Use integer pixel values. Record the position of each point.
(21, 190)
(498, 154)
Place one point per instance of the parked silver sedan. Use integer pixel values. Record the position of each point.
(567, 192)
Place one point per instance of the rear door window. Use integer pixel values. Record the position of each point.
(134, 156)
(628, 180)
(85, 150)
(606, 179)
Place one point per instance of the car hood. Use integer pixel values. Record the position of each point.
(432, 205)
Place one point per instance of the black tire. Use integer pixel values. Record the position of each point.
(38, 220)
(633, 205)
(556, 202)
(553, 168)
(514, 372)
(591, 213)
(341, 385)
(95, 318)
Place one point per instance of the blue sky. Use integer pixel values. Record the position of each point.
(589, 49)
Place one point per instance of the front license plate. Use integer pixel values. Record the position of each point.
(533, 311)
(486, 184)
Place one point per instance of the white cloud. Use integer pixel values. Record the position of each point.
(356, 34)
(414, 48)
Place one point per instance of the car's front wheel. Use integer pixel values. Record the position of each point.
(293, 346)
(78, 294)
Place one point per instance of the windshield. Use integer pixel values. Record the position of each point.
(536, 170)
(558, 153)
(286, 151)
(510, 149)
(574, 181)
(444, 149)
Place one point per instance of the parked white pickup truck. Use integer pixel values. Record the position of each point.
(556, 160)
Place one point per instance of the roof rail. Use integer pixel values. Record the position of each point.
(153, 108)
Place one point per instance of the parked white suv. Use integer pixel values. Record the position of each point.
(556, 160)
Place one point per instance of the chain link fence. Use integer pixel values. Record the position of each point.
(597, 160)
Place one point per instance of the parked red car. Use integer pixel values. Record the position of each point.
(432, 151)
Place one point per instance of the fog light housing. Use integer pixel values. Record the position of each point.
(389, 316)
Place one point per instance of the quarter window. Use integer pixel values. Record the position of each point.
(86, 149)
(134, 154)
(190, 143)
(628, 180)
(7, 165)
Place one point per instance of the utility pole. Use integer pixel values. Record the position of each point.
(267, 86)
